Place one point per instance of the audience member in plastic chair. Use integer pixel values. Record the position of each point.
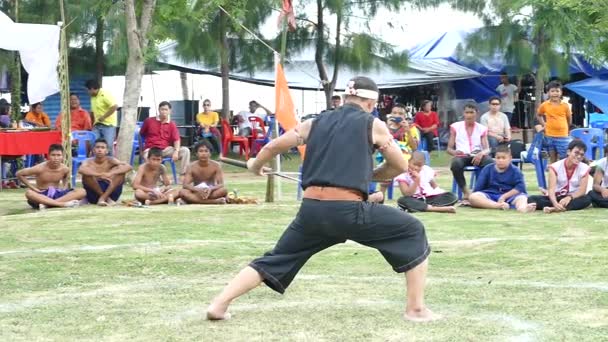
(499, 128)
(568, 179)
(599, 193)
(468, 145)
(161, 132)
(420, 191)
(52, 182)
(427, 122)
(103, 175)
(208, 122)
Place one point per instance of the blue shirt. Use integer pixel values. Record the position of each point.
(490, 180)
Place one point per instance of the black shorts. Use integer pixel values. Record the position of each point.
(400, 237)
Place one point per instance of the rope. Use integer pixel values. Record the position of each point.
(270, 47)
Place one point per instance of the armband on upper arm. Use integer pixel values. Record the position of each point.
(299, 138)
(385, 146)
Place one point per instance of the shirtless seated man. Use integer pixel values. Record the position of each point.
(148, 177)
(204, 180)
(52, 181)
(103, 176)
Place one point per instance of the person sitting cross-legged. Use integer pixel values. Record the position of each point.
(103, 176)
(468, 145)
(568, 179)
(148, 177)
(501, 185)
(204, 180)
(420, 191)
(599, 193)
(52, 181)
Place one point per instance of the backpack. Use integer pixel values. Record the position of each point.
(517, 147)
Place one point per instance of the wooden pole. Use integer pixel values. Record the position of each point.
(64, 89)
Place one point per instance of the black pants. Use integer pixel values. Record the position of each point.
(318, 225)
(413, 204)
(458, 165)
(575, 204)
(597, 199)
(429, 136)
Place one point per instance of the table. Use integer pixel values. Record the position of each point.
(27, 142)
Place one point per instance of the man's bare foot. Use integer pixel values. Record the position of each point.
(41, 207)
(170, 200)
(531, 207)
(71, 204)
(147, 202)
(221, 200)
(102, 203)
(549, 210)
(217, 313)
(180, 202)
(422, 315)
(110, 202)
(503, 206)
(450, 209)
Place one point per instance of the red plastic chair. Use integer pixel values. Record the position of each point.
(258, 133)
(228, 138)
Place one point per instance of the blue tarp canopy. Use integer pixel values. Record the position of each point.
(593, 89)
(446, 47)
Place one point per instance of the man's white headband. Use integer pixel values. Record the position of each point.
(364, 93)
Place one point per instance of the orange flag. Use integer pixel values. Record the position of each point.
(285, 110)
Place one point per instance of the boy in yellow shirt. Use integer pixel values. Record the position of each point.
(555, 116)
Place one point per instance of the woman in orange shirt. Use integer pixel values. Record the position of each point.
(37, 117)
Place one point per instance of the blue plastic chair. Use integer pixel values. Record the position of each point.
(136, 145)
(534, 155)
(165, 160)
(475, 170)
(600, 124)
(593, 139)
(258, 143)
(82, 154)
(423, 148)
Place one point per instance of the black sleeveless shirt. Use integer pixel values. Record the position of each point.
(339, 150)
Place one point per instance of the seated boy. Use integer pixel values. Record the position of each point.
(420, 191)
(599, 193)
(52, 180)
(204, 180)
(148, 176)
(103, 176)
(501, 185)
(568, 179)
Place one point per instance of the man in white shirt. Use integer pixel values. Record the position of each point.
(499, 128)
(508, 94)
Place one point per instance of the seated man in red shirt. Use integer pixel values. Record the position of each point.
(427, 122)
(80, 119)
(162, 133)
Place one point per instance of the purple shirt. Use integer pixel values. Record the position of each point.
(5, 121)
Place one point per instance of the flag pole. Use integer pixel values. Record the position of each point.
(275, 132)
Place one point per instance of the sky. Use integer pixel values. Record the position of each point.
(410, 26)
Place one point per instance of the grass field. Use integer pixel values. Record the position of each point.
(119, 274)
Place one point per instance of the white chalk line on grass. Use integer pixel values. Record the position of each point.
(178, 243)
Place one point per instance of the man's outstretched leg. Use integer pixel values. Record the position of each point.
(415, 310)
(244, 282)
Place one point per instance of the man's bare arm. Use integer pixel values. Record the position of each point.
(137, 181)
(290, 139)
(188, 180)
(119, 167)
(31, 171)
(394, 164)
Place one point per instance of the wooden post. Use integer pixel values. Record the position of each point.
(64, 90)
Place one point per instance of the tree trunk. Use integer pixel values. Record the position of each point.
(183, 77)
(327, 87)
(99, 59)
(539, 90)
(137, 40)
(224, 67)
(16, 74)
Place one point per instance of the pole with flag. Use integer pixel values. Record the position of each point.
(284, 108)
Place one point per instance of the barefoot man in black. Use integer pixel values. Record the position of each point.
(51, 189)
(335, 177)
(204, 180)
(103, 176)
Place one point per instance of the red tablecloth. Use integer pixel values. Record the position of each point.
(20, 143)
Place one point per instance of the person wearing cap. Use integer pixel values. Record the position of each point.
(335, 177)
